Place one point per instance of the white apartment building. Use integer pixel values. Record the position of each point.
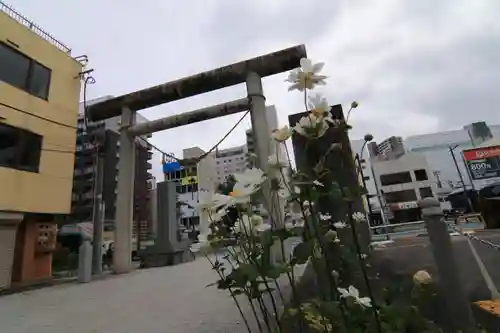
(193, 178)
(402, 183)
(229, 161)
(435, 147)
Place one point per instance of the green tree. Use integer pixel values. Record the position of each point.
(226, 188)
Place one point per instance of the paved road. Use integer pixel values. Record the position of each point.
(169, 299)
(394, 259)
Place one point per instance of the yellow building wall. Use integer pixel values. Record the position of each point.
(48, 191)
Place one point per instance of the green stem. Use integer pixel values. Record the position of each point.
(232, 295)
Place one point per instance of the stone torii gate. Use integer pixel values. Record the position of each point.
(249, 71)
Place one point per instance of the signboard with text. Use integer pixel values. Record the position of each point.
(483, 163)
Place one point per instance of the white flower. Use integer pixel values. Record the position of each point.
(208, 201)
(263, 227)
(278, 161)
(256, 220)
(250, 224)
(202, 245)
(243, 225)
(306, 77)
(325, 217)
(216, 216)
(311, 126)
(318, 183)
(354, 293)
(422, 277)
(332, 236)
(359, 217)
(318, 105)
(242, 193)
(282, 134)
(336, 146)
(340, 225)
(287, 192)
(252, 176)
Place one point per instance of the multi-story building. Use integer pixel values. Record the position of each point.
(39, 90)
(192, 176)
(103, 137)
(402, 182)
(390, 148)
(230, 161)
(436, 148)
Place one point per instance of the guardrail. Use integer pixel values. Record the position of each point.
(31, 25)
(416, 228)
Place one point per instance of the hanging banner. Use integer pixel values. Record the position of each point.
(483, 163)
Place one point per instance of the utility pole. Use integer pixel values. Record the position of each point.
(363, 180)
(436, 174)
(467, 199)
(468, 172)
(97, 217)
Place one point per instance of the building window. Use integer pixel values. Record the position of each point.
(420, 175)
(426, 192)
(24, 73)
(400, 196)
(19, 149)
(395, 178)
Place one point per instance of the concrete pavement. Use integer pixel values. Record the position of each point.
(169, 299)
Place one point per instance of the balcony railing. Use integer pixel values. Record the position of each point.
(31, 25)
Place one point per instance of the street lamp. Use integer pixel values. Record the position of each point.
(359, 161)
(467, 199)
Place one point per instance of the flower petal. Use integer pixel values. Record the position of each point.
(306, 65)
(316, 68)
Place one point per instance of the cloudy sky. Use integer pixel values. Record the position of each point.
(414, 66)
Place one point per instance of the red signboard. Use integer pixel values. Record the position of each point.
(481, 153)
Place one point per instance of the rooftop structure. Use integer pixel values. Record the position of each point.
(33, 26)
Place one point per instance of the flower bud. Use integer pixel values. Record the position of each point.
(422, 277)
(354, 104)
(331, 235)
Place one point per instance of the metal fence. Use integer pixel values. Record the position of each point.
(31, 25)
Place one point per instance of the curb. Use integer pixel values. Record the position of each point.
(41, 284)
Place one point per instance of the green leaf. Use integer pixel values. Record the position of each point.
(275, 272)
(348, 195)
(302, 252)
(282, 234)
(250, 271)
(335, 192)
(237, 292)
(266, 239)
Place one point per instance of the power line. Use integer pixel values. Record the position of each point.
(199, 159)
(37, 116)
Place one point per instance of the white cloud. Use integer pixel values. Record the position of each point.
(414, 66)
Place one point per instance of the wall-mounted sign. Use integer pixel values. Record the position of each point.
(483, 163)
(404, 205)
(189, 180)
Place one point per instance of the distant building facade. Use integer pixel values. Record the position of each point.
(103, 137)
(435, 147)
(192, 177)
(402, 182)
(230, 161)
